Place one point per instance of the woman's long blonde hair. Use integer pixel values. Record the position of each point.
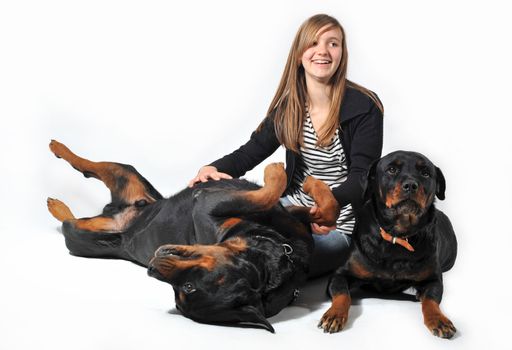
(289, 102)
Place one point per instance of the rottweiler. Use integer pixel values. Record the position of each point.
(232, 253)
(400, 241)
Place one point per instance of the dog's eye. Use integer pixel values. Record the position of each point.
(188, 288)
(392, 170)
(425, 173)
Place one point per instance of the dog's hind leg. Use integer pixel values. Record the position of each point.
(274, 185)
(239, 202)
(101, 223)
(126, 185)
(59, 210)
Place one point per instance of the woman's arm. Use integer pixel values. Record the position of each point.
(261, 145)
(366, 147)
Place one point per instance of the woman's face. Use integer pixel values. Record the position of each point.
(322, 59)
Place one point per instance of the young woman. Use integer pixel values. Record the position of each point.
(331, 129)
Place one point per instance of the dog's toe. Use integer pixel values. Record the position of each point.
(332, 321)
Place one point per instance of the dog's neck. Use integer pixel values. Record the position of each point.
(404, 242)
(283, 267)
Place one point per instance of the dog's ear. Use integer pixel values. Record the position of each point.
(249, 315)
(440, 184)
(368, 181)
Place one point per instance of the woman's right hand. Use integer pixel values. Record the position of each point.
(208, 172)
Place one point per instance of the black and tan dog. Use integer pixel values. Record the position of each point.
(401, 241)
(231, 252)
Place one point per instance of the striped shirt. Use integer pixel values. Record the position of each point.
(328, 164)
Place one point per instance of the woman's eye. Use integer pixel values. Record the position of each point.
(333, 44)
(188, 288)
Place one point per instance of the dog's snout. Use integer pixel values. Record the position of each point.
(152, 270)
(410, 186)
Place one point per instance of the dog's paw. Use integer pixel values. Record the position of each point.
(274, 173)
(58, 149)
(333, 320)
(59, 210)
(441, 326)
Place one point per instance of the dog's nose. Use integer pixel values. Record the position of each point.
(152, 271)
(410, 186)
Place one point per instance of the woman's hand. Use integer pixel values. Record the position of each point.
(208, 172)
(321, 230)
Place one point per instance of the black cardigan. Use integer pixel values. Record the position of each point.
(361, 129)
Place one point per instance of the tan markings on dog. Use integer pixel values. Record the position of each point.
(208, 257)
(167, 265)
(393, 197)
(236, 245)
(229, 223)
(220, 281)
(358, 270)
(135, 190)
(97, 224)
(275, 184)
(181, 296)
(422, 198)
(328, 207)
(435, 320)
(336, 317)
(59, 210)
(101, 224)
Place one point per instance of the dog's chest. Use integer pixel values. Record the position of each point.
(388, 271)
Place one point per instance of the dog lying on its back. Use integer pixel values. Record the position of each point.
(231, 252)
(401, 240)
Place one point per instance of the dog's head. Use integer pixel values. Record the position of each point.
(212, 283)
(405, 184)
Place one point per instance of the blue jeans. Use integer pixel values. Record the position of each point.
(330, 250)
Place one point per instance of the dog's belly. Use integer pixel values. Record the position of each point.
(168, 222)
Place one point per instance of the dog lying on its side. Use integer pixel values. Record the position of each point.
(231, 252)
(401, 240)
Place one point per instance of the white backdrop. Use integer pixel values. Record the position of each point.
(169, 86)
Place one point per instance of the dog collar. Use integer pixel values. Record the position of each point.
(396, 240)
(287, 249)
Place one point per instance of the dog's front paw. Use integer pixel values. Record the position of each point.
(440, 326)
(333, 320)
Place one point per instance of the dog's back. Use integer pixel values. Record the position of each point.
(446, 241)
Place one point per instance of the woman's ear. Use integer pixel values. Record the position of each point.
(440, 184)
